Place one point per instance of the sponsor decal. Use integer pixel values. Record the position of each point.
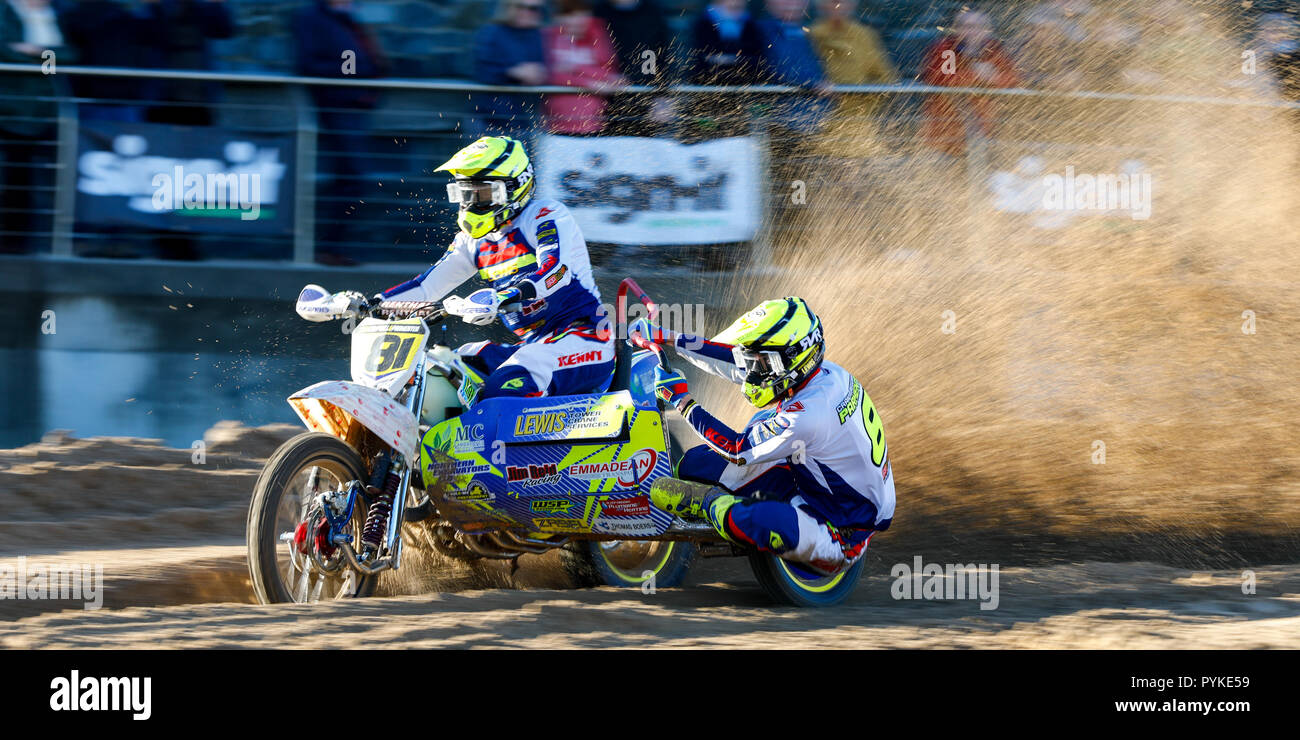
(556, 524)
(884, 470)
(532, 308)
(475, 492)
(794, 407)
(532, 475)
(633, 506)
(551, 506)
(544, 423)
(547, 235)
(721, 440)
(589, 416)
(554, 278)
(468, 439)
(813, 338)
(630, 472)
(849, 404)
(544, 212)
(636, 527)
(446, 470)
(581, 358)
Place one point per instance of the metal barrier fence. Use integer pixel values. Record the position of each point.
(361, 177)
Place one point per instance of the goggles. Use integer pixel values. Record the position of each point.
(478, 193)
(759, 364)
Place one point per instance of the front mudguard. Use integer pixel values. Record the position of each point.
(333, 406)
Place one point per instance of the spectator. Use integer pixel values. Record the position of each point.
(1277, 49)
(789, 59)
(117, 99)
(727, 48)
(179, 31)
(580, 54)
(1111, 47)
(968, 57)
(332, 43)
(509, 51)
(28, 131)
(1178, 54)
(644, 45)
(1050, 49)
(852, 54)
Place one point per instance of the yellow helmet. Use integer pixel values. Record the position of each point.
(494, 181)
(779, 344)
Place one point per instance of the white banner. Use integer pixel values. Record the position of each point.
(632, 190)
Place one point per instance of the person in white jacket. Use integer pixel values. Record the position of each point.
(809, 477)
(532, 253)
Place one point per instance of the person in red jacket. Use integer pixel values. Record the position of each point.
(968, 57)
(579, 53)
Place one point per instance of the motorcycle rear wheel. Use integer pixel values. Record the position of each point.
(281, 496)
(786, 583)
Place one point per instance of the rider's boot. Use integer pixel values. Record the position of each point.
(694, 501)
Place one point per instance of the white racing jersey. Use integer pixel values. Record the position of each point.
(828, 433)
(541, 252)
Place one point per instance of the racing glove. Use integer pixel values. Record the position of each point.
(672, 388)
(650, 332)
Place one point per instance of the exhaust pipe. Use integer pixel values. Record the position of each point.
(506, 542)
(476, 545)
(379, 566)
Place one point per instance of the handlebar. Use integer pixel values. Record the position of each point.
(427, 310)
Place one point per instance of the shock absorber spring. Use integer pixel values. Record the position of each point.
(377, 516)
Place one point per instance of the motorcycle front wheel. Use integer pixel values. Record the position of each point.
(302, 468)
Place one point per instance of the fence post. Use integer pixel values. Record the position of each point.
(65, 181)
(304, 207)
(977, 177)
(761, 249)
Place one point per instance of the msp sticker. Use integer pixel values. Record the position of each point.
(551, 506)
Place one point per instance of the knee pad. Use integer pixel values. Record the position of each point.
(771, 526)
(512, 380)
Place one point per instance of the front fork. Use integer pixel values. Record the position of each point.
(391, 463)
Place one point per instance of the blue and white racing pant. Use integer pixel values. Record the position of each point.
(780, 521)
(572, 361)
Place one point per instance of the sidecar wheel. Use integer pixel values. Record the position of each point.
(630, 563)
(786, 583)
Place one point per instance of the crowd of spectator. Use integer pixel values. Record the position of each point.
(603, 46)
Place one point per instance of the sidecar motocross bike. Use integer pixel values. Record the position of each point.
(405, 443)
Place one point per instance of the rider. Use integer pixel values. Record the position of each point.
(808, 479)
(532, 253)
